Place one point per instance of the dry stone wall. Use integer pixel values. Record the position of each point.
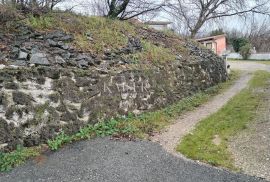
(48, 87)
(38, 103)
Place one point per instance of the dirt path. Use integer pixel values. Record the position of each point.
(174, 133)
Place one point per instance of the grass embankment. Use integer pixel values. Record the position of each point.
(98, 35)
(136, 126)
(227, 122)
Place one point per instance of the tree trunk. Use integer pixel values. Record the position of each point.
(115, 10)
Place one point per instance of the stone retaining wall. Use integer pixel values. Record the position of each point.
(38, 103)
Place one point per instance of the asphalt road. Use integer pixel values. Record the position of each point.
(105, 160)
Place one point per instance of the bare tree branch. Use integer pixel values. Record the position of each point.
(196, 13)
(126, 9)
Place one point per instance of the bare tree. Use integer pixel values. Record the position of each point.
(98, 7)
(259, 35)
(195, 13)
(125, 9)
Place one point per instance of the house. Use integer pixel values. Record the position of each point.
(215, 43)
(159, 25)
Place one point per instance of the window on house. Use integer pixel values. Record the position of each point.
(209, 45)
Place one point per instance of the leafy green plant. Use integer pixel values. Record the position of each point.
(238, 43)
(15, 158)
(60, 140)
(112, 127)
(245, 51)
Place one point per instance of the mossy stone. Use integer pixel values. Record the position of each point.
(22, 98)
(11, 85)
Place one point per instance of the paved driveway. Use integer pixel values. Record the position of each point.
(105, 160)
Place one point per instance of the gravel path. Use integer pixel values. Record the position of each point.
(105, 160)
(173, 134)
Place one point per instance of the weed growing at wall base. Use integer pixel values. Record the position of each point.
(17, 157)
(119, 126)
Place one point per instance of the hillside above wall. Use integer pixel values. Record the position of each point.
(61, 72)
(68, 40)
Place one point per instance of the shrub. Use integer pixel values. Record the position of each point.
(245, 51)
(238, 43)
(217, 32)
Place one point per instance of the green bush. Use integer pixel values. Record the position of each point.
(238, 43)
(217, 32)
(245, 51)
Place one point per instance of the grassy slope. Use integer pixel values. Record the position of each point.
(137, 126)
(97, 35)
(227, 122)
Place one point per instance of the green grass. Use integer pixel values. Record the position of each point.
(267, 62)
(119, 126)
(264, 62)
(104, 33)
(129, 126)
(152, 54)
(41, 23)
(251, 60)
(17, 157)
(227, 122)
(99, 34)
